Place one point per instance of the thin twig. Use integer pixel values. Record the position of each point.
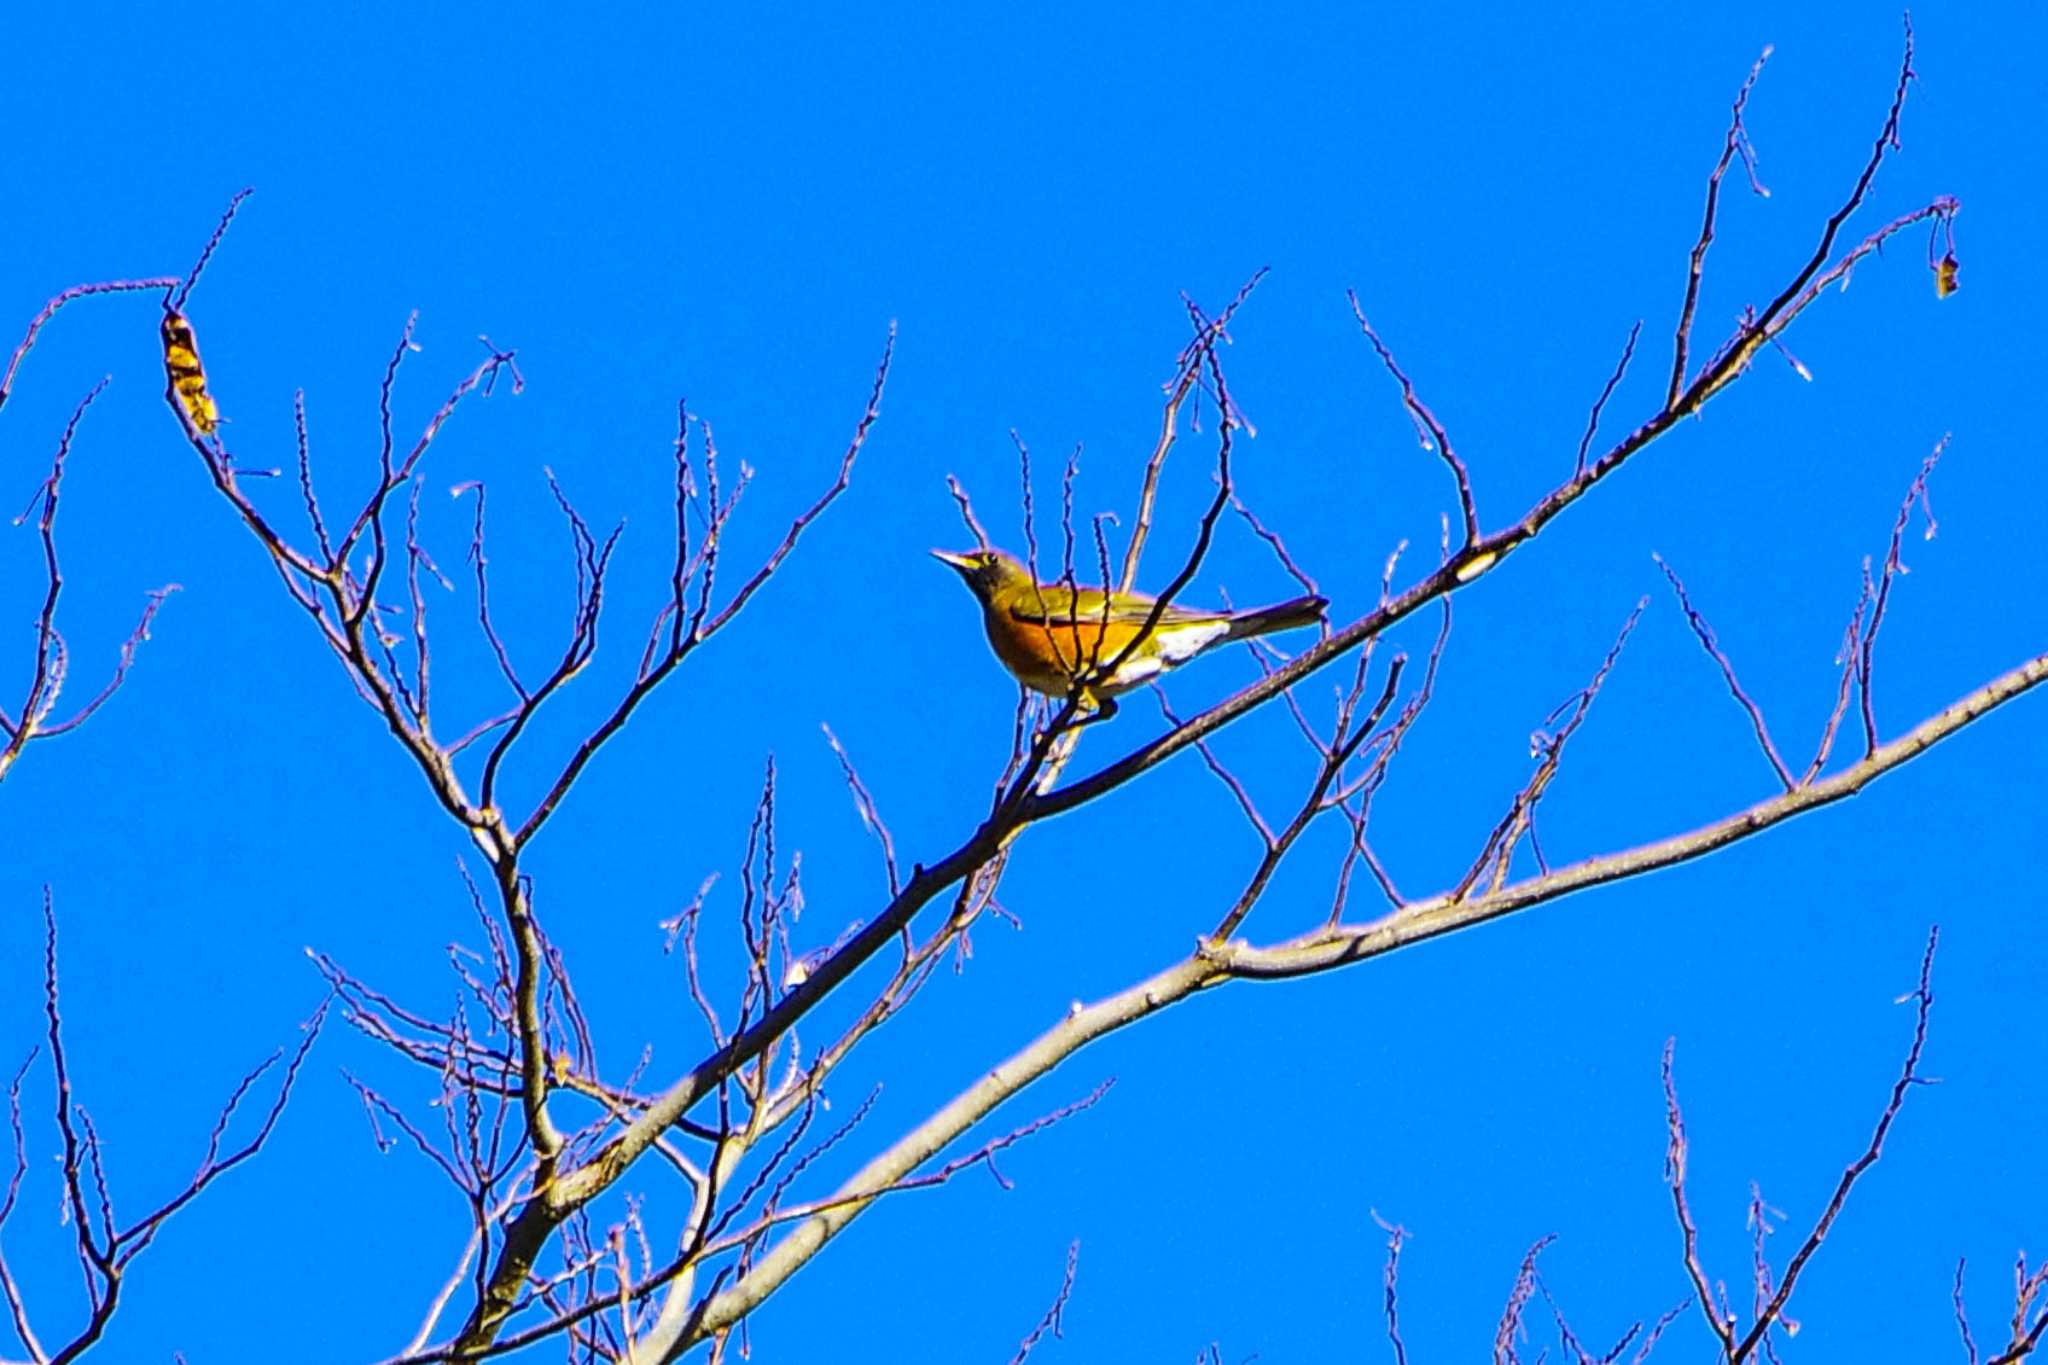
(1051, 1321)
(1962, 1314)
(864, 804)
(1390, 1282)
(1705, 635)
(1427, 428)
(50, 310)
(1510, 1329)
(177, 304)
(1847, 660)
(1737, 142)
(1607, 391)
(1893, 567)
(1548, 747)
(1674, 1174)
(1188, 373)
(1922, 997)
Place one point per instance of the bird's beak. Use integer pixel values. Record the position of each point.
(963, 563)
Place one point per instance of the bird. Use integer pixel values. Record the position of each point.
(1077, 641)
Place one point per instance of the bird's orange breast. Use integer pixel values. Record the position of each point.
(1051, 656)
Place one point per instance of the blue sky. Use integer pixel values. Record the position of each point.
(733, 209)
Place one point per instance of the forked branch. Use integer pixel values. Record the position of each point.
(1738, 1346)
(105, 1246)
(50, 660)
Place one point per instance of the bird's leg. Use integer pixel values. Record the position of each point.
(1094, 708)
(1084, 708)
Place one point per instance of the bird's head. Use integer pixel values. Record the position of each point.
(986, 571)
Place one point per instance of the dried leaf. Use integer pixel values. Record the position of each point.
(1945, 271)
(187, 376)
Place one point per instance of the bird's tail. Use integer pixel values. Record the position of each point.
(1291, 615)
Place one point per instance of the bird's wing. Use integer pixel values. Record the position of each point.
(1057, 604)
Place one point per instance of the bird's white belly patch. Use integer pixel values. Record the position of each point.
(1176, 645)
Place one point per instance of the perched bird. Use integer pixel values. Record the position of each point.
(1056, 639)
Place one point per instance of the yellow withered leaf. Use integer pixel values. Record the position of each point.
(1945, 271)
(188, 378)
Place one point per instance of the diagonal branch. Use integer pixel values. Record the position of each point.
(1429, 430)
(105, 1252)
(1187, 375)
(1320, 951)
(1705, 634)
(1051, 1321)
(1390, 1283)
(1737, 144)
(1722, 1325)
(51, 309)
(1628, 353)
(1915, 492)
(1909, 1076)
(52, 659)
(191, 280)
(1548, 746)
(687, 641)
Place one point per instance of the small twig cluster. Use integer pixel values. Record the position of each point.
(1770, 1293)
(105, 1244)
(35, 717)
(1050, 1323)
(1739, 1344)
(2028, 1323)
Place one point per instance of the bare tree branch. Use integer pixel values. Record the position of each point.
(1705, 634)
(1429, 430)
(1738, 1346)
(105, 1248)
(1628, 352)
(1391, 1286)
(1051, 1321)
(1915, 492)
(1510, 1330)
(1326, 949)
(1723, 1325)
(50, 660)
(756, 1092)
(1188, 374)
(51, 309)
(1737, 143)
